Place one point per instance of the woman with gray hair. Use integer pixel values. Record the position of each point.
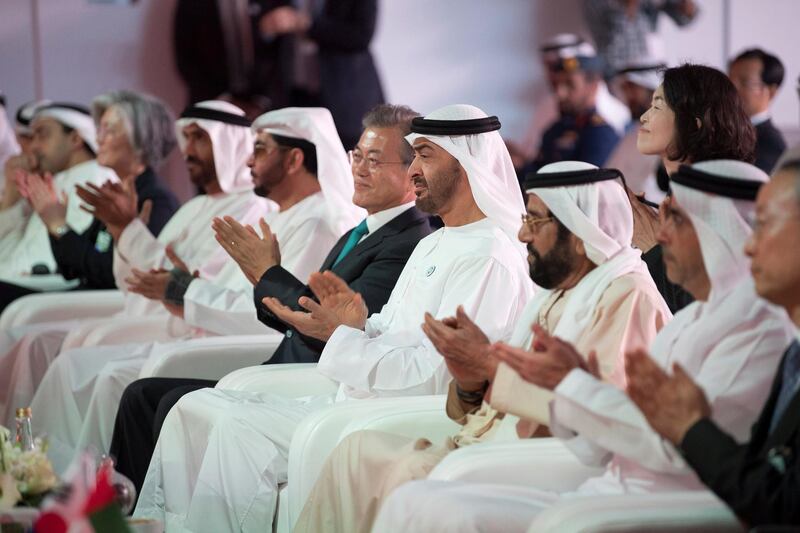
(135, 133)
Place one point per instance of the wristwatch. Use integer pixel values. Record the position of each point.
(60, 231)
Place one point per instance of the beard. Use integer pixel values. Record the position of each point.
(442, 189)
(203, 173)
(549, 270)
(265, 181)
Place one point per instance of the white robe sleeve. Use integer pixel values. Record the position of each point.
(227, 307)
(405, 362)
(735, 377)
(221, 310)
(13, 220)
(136, 248)
(307, 247)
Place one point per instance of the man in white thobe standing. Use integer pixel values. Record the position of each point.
(216, 141)
(221, 454)
(729, 340)
(80, 392)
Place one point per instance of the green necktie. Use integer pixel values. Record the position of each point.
(355, 236)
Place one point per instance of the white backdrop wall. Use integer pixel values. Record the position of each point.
(430, 52)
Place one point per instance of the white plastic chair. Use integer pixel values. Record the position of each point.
(549, 465)
(210, 358)
(53, 307)
(319, 433)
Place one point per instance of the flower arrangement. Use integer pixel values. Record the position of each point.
(87, 503)
(26, 476)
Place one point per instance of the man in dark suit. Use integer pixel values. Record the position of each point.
(369, 258)
(218, 51)
(333, 66)
(759, 480)
(757, 76)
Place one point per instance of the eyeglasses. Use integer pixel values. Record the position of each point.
(356, 158)
(534, 224)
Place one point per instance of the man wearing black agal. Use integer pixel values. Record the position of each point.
(369, 258)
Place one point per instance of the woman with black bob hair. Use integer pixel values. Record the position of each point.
(710, 120)
(695, 115)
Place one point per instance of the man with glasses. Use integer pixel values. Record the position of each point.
(757, 76)
(221, 471)
(597, 292)
(757, 479)
(368, 258)
(729, 341)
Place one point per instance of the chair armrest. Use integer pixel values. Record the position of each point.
(42, 282)
(319, 433)
(292, 380)
(543, 463)
(36, 308)
(692, 511)
(211, 357)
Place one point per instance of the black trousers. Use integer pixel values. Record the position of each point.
(142, 410)
(10, 292)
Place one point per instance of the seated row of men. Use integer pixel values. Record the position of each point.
(399, 311)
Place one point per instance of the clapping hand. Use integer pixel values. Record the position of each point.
(48, 204)
(338, 305)
(464, 346)
(151, 284)
(547, 362)
(115, 204)
(254, 255)
(671, 404)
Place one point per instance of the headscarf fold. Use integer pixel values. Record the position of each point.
(231, 141)
(723, 224)
(315, 125)
(599, 214)
(488, 166)
(73, 116)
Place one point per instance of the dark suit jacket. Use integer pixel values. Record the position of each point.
(201, 57)
(349, 82)
(83, 256)
(769, 146)
(760, 480)
(371, 268)
(675, 296)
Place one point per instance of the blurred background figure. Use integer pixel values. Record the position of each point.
(757, 76)
(269, 54)
(332, 65)
(625, 30)
(8, 143)
(581, 133)
(220, 53)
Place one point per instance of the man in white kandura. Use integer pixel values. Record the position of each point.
(729, 340)
(597, 294)
(80, 392)
(221, 454)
